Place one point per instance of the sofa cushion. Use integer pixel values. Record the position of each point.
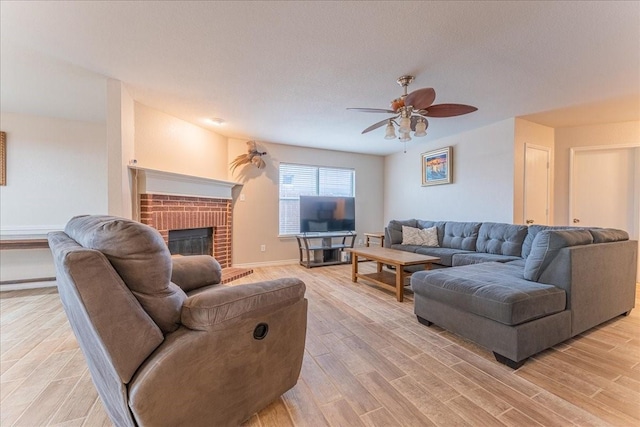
(607, 235)
(501, 239)
(195, 271)
(140, 256)
(395, 229)
(479, 257)
(420, 236)
(445, 254)
(533, 231)
(460, 235)
(519, 263)
(406, 248)
(546, 246)
(492, 290)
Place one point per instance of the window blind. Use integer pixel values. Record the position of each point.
(304, 180)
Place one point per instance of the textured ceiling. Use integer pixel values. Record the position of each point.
(285, 72)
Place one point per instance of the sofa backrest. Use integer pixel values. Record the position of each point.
(394, 230)
(600, 235)
(546, 246)
(533, 231)
(608, 235)
(501, 239)
(140, 256)
(460, 235)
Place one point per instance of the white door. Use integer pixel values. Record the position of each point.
(605, 189)
(536, 184)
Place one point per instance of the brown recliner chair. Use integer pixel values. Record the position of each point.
(166, 344)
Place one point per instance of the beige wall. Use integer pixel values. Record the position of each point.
(482, 188)
(256, 218)
(166, 143)
(584, 136)
(169, 144)
(529, 133)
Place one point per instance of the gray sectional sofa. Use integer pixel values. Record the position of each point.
(518, 290)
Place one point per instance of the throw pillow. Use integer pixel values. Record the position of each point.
(430, 237)
(420, 237)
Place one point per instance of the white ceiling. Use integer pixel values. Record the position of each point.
(285, 72)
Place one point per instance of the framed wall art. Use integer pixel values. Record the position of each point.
(436, 166)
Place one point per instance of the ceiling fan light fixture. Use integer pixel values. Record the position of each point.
(421, 128)
(411, 111)
(405, 125)
(390, 131)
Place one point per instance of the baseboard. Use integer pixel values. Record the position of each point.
(20, 285)
(267, 263)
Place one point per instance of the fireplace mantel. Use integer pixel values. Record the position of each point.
(152, 181)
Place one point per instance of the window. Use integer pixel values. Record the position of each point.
(303, 180)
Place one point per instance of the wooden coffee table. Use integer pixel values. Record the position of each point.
(396, 258)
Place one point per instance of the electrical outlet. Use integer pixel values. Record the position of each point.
(263, 248)
(359, 242)
(242, 197)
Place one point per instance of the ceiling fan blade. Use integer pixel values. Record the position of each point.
(377, 125)
(448, 110)
(421, 98)
(371, 110)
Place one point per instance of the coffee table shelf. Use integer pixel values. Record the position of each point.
(383, 277)
(395, 258)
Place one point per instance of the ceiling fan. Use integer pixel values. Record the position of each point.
(413, 109)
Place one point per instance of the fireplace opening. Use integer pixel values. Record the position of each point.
(192, 241)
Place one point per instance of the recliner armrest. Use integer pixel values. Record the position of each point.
(211, 308)
(195, 271)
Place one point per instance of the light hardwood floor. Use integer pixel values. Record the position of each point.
(367, 363)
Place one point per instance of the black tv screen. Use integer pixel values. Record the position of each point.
(321, 214)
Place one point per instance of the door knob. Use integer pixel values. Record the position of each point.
(529, 221)
(576, 220)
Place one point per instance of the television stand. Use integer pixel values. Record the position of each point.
(320, 249)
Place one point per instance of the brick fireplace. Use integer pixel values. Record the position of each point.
(165, 213)
(172, 201)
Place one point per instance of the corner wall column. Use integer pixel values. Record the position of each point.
(120, 150)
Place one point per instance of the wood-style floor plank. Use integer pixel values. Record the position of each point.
(302, 407)
(367, 362)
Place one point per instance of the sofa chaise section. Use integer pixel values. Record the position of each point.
(570, 281)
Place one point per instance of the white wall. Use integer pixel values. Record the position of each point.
(256, 218)
(529, 133)
(169, 144)
(482, 188)
(56, 169)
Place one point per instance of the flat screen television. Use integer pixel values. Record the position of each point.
(322, 214)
